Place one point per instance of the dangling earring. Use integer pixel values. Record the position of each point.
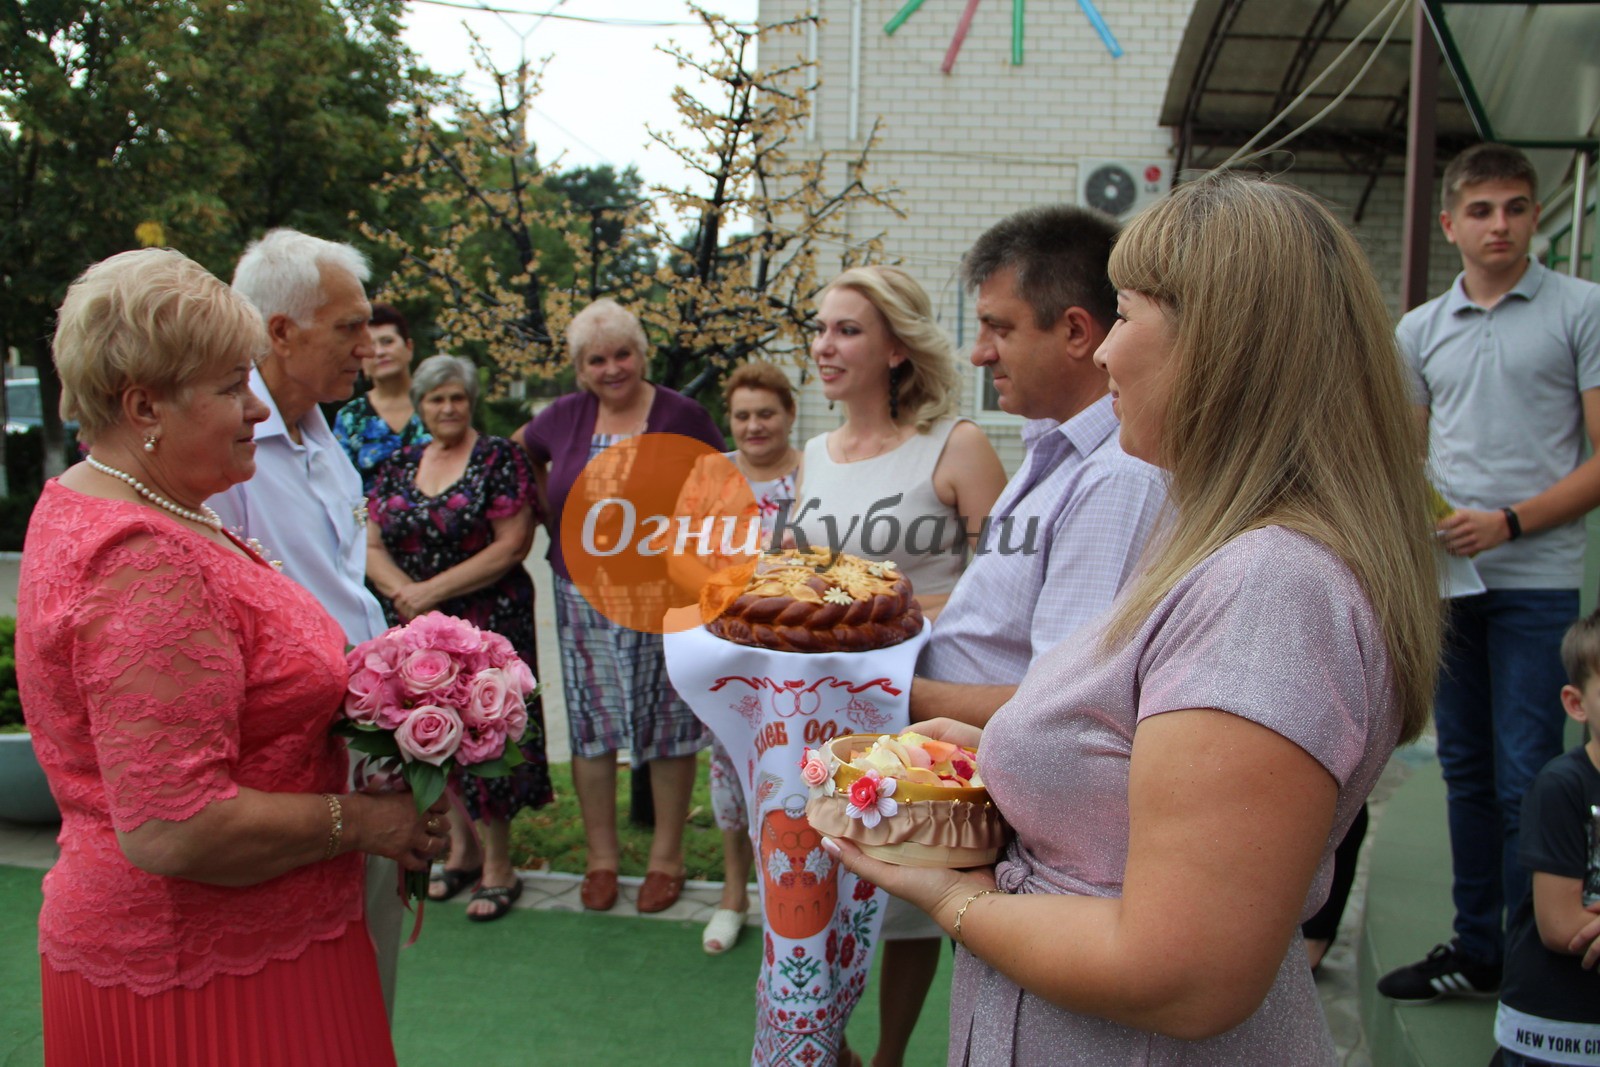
(150, 442)
(897, 374)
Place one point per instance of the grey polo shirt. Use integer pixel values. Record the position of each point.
(1505, 418)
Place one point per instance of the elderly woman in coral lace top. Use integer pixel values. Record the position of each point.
(207, 904)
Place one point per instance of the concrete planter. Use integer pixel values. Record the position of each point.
(24, 793)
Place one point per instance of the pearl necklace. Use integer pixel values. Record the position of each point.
(205, 516)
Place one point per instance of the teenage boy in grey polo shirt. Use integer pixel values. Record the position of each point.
(1506, 367)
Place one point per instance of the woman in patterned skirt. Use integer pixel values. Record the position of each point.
(451, 521)
(615, 678)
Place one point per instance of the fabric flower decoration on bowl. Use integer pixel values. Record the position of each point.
(871, 799)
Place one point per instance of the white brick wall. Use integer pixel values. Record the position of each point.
(969, 148)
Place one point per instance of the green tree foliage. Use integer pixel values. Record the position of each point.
(616, 251)
(197, 124)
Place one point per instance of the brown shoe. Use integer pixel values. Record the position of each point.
(659, 891)
(599, 890)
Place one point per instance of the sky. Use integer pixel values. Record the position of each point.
(604, 82)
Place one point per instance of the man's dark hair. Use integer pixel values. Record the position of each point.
(389, 315)
(1059, 253)
(1487, 162)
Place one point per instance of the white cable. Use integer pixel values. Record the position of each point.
(1336, 101)
(1320, 78)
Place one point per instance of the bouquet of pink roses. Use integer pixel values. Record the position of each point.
(434, 696)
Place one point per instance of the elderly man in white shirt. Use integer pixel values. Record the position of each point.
(304, 504)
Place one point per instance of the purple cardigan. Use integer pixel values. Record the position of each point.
(560, 434)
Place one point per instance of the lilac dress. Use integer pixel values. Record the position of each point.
(1273, 628)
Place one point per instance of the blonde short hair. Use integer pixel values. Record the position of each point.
(153, 318)
(606, 320)
(930, 391)
(1288, 406)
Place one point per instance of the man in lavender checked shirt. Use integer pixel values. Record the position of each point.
(1044, 306)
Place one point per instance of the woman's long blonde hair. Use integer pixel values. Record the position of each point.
(930, 391)
(1288, 406)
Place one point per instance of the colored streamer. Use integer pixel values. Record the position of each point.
(960, 37)
(1016, 32)
(905, 12)
(1108, 38)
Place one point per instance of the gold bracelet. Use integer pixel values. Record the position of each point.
(336, 811)
(962, 913)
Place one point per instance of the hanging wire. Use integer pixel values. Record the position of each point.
(1398, 9)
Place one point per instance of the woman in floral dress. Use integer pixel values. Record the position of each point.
(450, 524)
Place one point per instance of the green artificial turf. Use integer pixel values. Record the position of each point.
(535, 989)
(20, 1041)
(551, 988)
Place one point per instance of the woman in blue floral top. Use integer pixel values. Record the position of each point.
(380, 422)
(450, 525)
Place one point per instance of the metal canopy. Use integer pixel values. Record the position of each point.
(1529, 72)
(1241, 62)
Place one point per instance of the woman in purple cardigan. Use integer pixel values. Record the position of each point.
(614, 678)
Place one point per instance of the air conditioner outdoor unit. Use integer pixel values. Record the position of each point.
(1122, 187)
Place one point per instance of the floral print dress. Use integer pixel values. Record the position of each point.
(368, 440)
(427, 535)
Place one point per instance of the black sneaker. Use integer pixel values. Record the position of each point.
(1442, 973)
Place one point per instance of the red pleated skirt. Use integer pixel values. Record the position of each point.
(322, 1009)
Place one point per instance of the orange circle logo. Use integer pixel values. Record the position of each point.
(649, 523)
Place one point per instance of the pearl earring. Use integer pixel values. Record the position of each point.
(149, 442)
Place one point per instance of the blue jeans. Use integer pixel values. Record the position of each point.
(1498, 713)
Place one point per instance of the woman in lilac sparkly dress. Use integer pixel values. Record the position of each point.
(1178, 778)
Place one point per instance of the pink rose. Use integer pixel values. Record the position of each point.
(430, 734)
(359, 703)
(487, 699)
(813, 772)
(522, 678)
(383, 705)
(427, 670)
(444, 633)
(516, 722)
(480, 746)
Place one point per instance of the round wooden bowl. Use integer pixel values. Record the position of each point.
(848, 746)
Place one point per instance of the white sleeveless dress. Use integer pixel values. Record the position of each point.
(885, 507)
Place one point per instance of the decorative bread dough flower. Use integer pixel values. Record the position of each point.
(835, 595)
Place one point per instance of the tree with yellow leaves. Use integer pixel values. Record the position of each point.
(509, 264)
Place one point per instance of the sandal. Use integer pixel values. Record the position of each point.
(501, 896)
(659, 891)
(453, 882)
(599, 890)
(722, 932)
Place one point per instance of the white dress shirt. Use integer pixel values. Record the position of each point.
(306, 507)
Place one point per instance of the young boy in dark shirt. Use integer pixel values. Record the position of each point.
(1550, 996)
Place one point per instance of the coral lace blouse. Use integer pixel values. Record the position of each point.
(160, 672)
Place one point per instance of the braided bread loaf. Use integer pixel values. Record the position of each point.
(811, 601)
